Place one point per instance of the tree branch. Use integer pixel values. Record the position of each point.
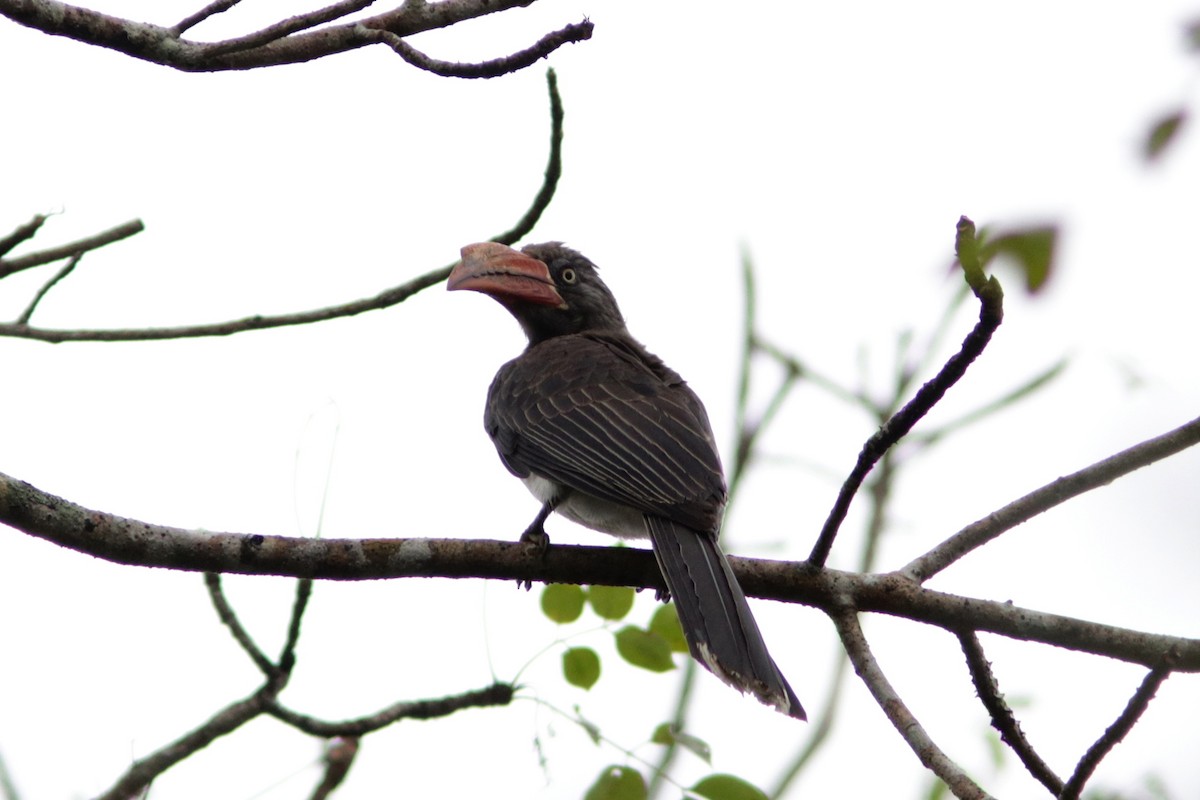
(192, 20)
(485, 69)
(22, 233)
(385, 299)
(287, 27)
(1117, 731)
(225, 721)
(338, 757)
(229, 618)
(287, 42)
(1104, 472)
(930, 755)
(10, 265)
(1003, 719)
(66, 270)
(498, 694)
(991, 313)
(133, 542)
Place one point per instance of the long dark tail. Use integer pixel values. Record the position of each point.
(720, 630)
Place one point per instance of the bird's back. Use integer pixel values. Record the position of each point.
(598, 414)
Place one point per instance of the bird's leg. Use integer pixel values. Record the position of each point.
(535, 535)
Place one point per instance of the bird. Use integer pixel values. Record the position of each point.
(607, 435)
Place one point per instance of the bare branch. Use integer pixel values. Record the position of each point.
(46, 287)
(991, 313)
(288, 42)
(10, 265)
(498, 694)
(1117, 731)
(1002, 716)
(486, 69)
(287, 27)
(385, 299)
(1034, 384)
(191, 21)
(339, 757)
(127, 541)
(145, 770)
(287, 657)
(229, 618)
(21, 234)
(930, 755)
(984, 530)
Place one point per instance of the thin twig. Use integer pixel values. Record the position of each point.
(22, 233)
(385, 299)
(212, 9)
(286, 27)
(930, 755)
(822, 727)
(287, 657)
(225, 721)
(811, 376)
(991, 313)
(1034, 384)
(1058, 491)
(819, 728)
(46, 287)
(576, 32)
(229, 618)
(498, 694)
(339, 757)
(553, 168)
(1003, 719)
(10, 265)
(1116, 732)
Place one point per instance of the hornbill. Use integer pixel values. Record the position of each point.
(606, 434)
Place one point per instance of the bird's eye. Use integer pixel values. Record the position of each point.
(568, 276)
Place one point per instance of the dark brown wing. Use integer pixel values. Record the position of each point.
(598, 414)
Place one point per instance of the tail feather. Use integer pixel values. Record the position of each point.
(720, 630)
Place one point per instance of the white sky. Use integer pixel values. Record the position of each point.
(838, 142)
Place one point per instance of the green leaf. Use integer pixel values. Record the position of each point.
(610, 602)
(665, 623)
(562, 602)
(728, 787)
(644, 649)
(663, 734)
(666, 734)
(1032, 248)
(1162, 133)
(618, 783)
(581, 667)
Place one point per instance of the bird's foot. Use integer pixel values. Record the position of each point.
(662, 594)
(536, 539)
(537, 542)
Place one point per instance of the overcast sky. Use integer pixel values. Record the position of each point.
(836, 143)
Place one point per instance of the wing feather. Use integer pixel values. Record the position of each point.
(599, 414)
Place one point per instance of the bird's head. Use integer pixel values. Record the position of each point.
(551, 289)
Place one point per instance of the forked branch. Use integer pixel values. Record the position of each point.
(290, 41)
